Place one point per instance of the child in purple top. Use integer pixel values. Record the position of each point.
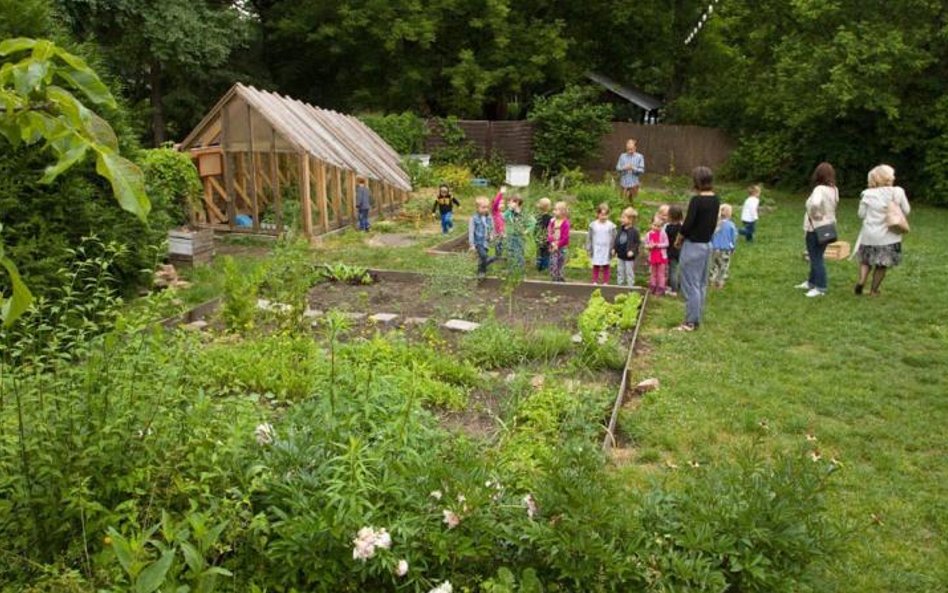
(558, 236)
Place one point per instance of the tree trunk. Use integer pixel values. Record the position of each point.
(157, 104)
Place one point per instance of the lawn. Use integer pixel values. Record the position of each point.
(862, 376)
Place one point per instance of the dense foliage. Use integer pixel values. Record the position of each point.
(799, 82)
(143, 460)
(404, 132)
(568, 128)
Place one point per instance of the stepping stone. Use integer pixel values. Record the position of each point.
(383, 318)
(198, 325)
(459, 325)
(265, 305)
(310, 313)
(353, 316)
(646, 386)
(416, 320)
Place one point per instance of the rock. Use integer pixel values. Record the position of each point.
(459, 325)
(312, 313)
(416, 320)
(646, 386)
(383, 318)
(353, 316)
(198, 325)
(166, 276)
(538, 381)
(263, 304)
(577, 339)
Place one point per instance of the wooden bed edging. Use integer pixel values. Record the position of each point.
(193, 314)
(610, 439)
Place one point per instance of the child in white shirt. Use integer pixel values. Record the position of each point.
(749, 214)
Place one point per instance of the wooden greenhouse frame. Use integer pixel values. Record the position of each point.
(260, 154)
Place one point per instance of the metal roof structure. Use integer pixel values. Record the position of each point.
(632, 95)
(337, 139)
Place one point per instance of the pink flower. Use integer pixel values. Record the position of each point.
(367, 540)
(451, 519)
(402, 568)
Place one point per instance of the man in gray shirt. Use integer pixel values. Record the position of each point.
(631, 164)
(363, 204)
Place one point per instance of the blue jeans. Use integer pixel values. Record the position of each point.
(816, 251)
(543, 260)
(363, 219)
(748, 230)
(447, 221)
(483, 260)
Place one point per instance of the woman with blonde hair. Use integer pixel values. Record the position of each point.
(879, 245)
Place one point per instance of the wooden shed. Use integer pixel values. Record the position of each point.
(260, 154)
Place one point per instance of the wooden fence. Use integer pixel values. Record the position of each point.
(667, 149)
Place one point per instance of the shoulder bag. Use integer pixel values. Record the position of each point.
(825, 234)
(894, 217)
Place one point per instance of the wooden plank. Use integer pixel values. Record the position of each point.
(242, 194)
(277, 192)
(306, 204)
(214, 213)
(255, 205)
(228, 171)
(337, 195)
(351, 194)
(321, 200)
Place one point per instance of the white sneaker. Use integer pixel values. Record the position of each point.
(804, 286)
(815, 292)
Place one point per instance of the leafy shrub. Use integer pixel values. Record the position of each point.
(172, 184)
(492, 167)
(420, 175)
(455, 149)
(454, 176)
(493, 345)
(404, 132)
(568, 128)
(239, 296)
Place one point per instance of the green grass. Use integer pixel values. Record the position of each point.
(866, 376)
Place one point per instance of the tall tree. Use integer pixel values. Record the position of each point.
(150, 44)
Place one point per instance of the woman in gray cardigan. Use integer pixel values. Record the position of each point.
(879, 248)
(820, 210)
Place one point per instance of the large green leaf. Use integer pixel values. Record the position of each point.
(122, 549)
(128, 183)
(90, 85)
(19, 301)
(154, 574)
(11, 46)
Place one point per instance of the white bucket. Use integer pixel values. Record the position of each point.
(424, 159)
(518, 175)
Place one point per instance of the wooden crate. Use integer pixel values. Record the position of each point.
(190, 248)
(838, 251)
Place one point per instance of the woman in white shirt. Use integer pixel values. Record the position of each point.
(820, 211)
(880, 248)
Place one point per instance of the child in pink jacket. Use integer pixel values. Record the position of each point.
(558, 236)
(656, 242)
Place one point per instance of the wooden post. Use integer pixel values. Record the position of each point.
(228, 166)
(277, 193)
(307, 205)
(321, 201)
(337, 195)
(351, 192)
(253, 173)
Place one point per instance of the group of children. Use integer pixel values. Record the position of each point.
(500, 223)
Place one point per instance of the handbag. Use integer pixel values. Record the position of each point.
(825, 234)
(895, 218)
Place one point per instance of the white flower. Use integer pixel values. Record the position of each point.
(810, 438)
(444, 587)
(402, 568)
(367, 540)
(815, 455)
(451, 519)
(436, 494)
(531, 505)
(488, 484)
(462, 498)
(264, 434)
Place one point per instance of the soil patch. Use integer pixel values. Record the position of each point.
(391, 240)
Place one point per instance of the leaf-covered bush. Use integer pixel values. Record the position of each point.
(404, 132)
(172, 184)
(568, 128)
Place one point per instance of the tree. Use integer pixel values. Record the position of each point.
(568, 128)
(39, 107)
(156, 45)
